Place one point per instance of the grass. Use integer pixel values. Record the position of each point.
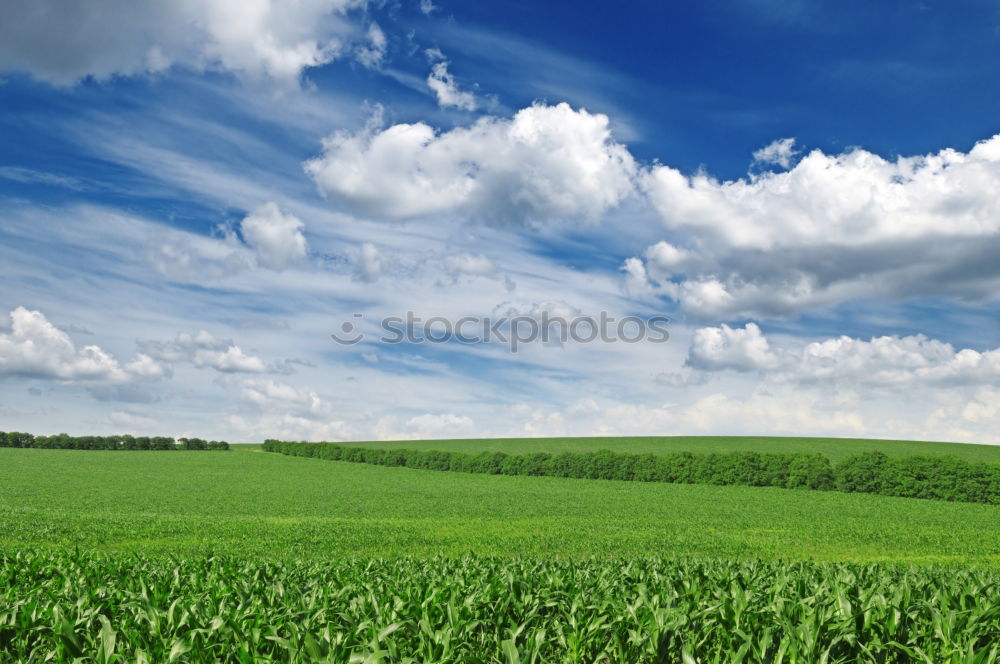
(835, 448)
(275, 507)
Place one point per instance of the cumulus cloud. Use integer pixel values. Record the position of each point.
(779, 153)
(880, 361)
(32, 346)
(63, 42)
(896, 361)
(740, 349)
(833, 228)
(853, 199)
(275, 237)
(636, 278)
(666, 258)
(545, 163)
(231, 360)
(204, 350)
(443, 84)
(143, 366)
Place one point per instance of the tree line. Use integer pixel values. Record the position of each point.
(62, 441)
(938, 477)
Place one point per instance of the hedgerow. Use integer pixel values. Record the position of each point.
(938, 477)
(64, 441)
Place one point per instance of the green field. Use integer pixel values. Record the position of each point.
(835, 448)
(249, 502)
(250, 556)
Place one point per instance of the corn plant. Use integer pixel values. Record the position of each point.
(73, 607)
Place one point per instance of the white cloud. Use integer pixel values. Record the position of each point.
(64, 42)
(636, 278)
(204, 350)
(547, 162)
(372, 54)
(881, 361)
(230, 360)
(143, 366)
(896, 361)
(666, 258)
(972, 419)
(275, 237)
(780, 153)
(270, 395)
(30, 175)
(423, 427)
(789, 412)
(368, 266)
(443, 84)
(740, 349)
(285, 426)
(431, 425)
(32, 346)
(471, 264)
(853, 199)
(428, 7)
(984, 407)
(833, 228)
(288, 412)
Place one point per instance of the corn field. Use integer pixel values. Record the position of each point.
(67, 607)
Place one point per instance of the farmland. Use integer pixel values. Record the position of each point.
(490, 609)
(276, 506)
(205, 556)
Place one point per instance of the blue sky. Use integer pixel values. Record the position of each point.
(194, 196)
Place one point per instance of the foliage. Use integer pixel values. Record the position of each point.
(64, 441)
(936, 477)
(61, 607)
(926, 476)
